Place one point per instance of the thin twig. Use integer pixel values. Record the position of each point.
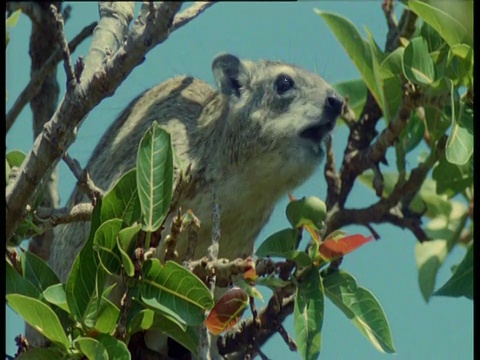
(190, 13)
(37, 79)
(85, 183)
(62, 40)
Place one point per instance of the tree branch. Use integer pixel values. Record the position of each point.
(39, 76)
(99, 80)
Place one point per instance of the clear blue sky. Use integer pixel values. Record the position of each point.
(292, 32)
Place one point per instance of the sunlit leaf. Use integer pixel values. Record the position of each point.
(361, 307)
(105, 244)
(417, 63)
(356, 47)
(308, 315)
(91, 348)
(40, 316)
(447, 26)
(122, 201)
(55, 294)
(125, 243)
(459, 146)
(227, 312)
(154, 176)
(175, 288)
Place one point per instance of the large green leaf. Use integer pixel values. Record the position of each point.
(37, 271)
(459, 146)
(107, 317)
(417, 63)
(39, 316)
(308, 315)
(361, 307)
(356, 47)
(177, 289)
(86, 276)
(284, 244)
(155, 176)
(105, 244)
(15, 158)
(449, 28)
(16, 284)
(122, 201)
(461, 282)
(91, 348)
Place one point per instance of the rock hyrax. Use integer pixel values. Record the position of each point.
(256, 138)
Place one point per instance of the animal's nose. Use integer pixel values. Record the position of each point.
(334, 105)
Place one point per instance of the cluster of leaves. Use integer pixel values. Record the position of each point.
(77, 317)
(80, 320)
(314, 281)
(438, 62)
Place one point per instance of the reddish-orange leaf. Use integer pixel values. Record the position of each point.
(250, 273)
(334, 248)
(227, 312)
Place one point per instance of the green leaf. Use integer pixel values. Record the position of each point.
(356, 47)
(155, 176)
(125, 242)
(122, 201)
(40, 354)
(37, 271)
(141, 320)
(429, 255)
(91, 348)
(392, 65)
(308, 315)
(413, 133)
(15, 158)
(86, 276)
(40, 316)
(459, 146)
(452, 179)
(16, 284)
(13, 19)
(437, 121)
(107, 317)
(175, 288)
(55, 295)
(452, 31)
(188, 337)
(284, 244)
(417, 63)
(105, 244)
(356, 91)
(116, 349)
(461, 282)
(361, 307)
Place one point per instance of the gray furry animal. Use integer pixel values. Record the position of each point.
(254, 140)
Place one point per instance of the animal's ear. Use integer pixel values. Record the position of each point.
(227, 69)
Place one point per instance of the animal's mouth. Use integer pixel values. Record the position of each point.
(318, 131)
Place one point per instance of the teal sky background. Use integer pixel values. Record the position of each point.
(291, 32)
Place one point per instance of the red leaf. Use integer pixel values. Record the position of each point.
(334, 248)
(227, 312)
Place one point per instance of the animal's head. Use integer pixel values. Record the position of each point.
(277, 111)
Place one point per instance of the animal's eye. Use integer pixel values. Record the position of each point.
(283, 84)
